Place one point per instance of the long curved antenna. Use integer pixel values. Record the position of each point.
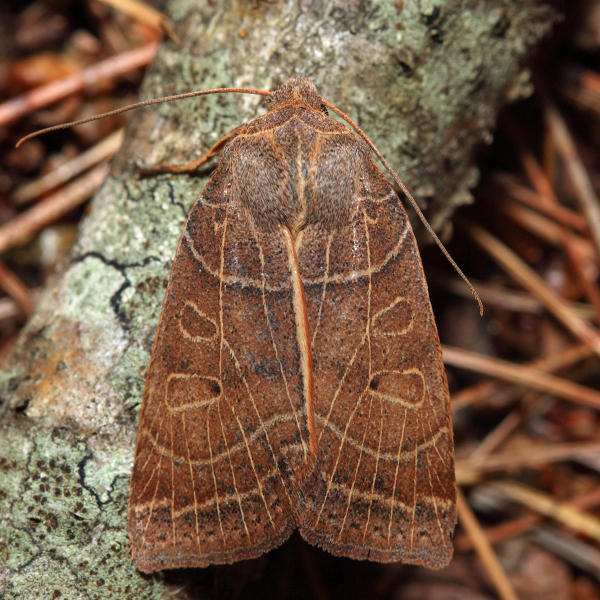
(334, 108)
(412, 201)
(123, 109)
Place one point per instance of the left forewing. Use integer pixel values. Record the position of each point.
(383, 487)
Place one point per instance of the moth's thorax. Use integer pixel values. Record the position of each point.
(296, 166)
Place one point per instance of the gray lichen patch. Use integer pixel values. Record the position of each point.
(56, 530)
(78, 338)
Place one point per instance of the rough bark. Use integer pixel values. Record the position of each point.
(425, 82)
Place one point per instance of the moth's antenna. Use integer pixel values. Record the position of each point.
(123, 109)
(413, 202)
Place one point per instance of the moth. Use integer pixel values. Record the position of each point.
(296, 380)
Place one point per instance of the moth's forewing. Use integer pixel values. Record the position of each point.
(222, 429)
(384, 482)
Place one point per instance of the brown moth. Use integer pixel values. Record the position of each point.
(296, 380)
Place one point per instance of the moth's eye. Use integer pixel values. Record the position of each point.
(324, 109)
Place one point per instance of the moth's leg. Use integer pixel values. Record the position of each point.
(194, 165)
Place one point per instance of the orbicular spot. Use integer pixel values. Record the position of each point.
(195, 325)
(191, 391)
(395, 319)
(403, 387)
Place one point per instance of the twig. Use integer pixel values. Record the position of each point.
(523, 375)
(578, 250)
(588, 285)
(494, 294)
(575, 551)
(104, 150)
(531, 198)
(145, 14)
(468, 470)
(546, 229)
(26, 224)
(581, 86)
(483, 548)
(549, 203)
(9, 309)
(526, 522)
(16, 289)
(546, 505)
(582, 186)
(550, 363)
(497, 435)
(529, 279)
(61, 88)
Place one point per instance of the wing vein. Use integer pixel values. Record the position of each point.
(396, 477)
(367, 423)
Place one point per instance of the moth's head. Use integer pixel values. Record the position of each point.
(297, 90)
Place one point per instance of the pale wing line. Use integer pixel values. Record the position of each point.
(214, 475)
(435, 472)
(149, 428)
(266, 311)
(339, 387)
(221, 272)
(150, 511)
(369, 272)
(345, 132)
(337, 460)
(384, 455)
(442, 459)
(237, 493)
(146, 433)
(354, 275)
(397, 399)
(222, 342)
(304, 350)
(226, 498)
(444, 463)
(356, 470)
(358, 494)
(149, 479)
(323, 293)
(277, 419)
(386, 500)
(197, 338)
(396, 477)
(337, 278)
(369, 289)
(435, 506)
(368, 334)
(260, 488)
(187, 446)
(414, 510)
(389, 307)
(172, 484)
(375, 473)
(269, 445)
(286, 417)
